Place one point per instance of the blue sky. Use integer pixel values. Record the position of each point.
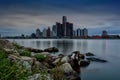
(24, 16)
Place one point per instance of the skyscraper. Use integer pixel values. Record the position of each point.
(48, 32)
(38, 33)
(54, 31)
(33, 35)
(79, 32)
(59, 29)
(64, 21)
(44, 33)
(85, 32)
(69, 29)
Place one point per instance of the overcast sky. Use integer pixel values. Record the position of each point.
(24, 16)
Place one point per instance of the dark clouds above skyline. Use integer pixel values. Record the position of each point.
(37, 13)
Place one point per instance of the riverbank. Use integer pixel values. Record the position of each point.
(30, 64)
(38, 64)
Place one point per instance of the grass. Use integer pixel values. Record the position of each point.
(57, 74)
(24, 52)
(40, 57)
(11, 70)
(21, 50)
(44, 74)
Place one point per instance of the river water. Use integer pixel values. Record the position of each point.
(105, 49)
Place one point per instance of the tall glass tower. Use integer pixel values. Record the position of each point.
(64, 25)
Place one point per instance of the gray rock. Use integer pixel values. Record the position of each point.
(38, 76)
(35, 77)
(89, 54)
(84, 63)
(52, 49)
(96, 59)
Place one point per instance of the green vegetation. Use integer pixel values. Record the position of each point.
(44, 74)
(11, 70)
(17, 46)
(15, 70)
(3, 53)
(24, 52)
(40, 57)
(21, 51)
(57, 74)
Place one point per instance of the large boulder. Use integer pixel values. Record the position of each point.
(28, 62)
(84, 63)
(61, 60)
(77, 54)
(65, 68)
(52, 49)
(22, 60)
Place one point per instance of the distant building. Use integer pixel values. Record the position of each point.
(64, 29)
(85, 32)
(48, 32)
(33, 35)
(38, 33)
(54, 31)
(59, 29)
(69, 29)
(44, 33)
(79, 32)
(53, 34)
(104, 34)
(75, 33)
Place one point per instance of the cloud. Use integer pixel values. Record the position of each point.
(23, 14)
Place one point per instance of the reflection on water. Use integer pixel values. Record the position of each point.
(66, 46)
(103, 47)
(107, 49)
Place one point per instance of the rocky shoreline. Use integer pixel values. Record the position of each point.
(41, 65)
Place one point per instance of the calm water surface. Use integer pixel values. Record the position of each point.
(105, 49)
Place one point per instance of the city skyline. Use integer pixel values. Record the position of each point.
(63, 30)
(60, 30)
(17, 16)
